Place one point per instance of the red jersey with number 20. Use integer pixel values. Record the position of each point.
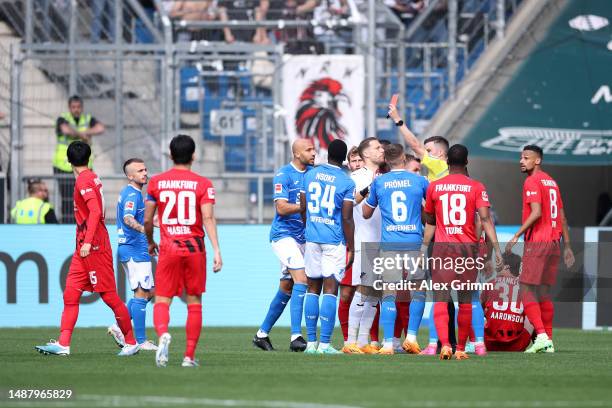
(541, 188)
(88, 191)
(179, 195)
(454, 200)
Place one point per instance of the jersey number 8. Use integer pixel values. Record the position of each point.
(185, 202)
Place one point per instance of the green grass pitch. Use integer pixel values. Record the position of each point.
(235, 374)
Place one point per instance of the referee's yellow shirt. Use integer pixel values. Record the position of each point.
(436, 168)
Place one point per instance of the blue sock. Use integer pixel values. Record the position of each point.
(297, 307)
(388, 313)
(478, 318)
(311, 314)
(417, 307)
(328, 317)
(433, 333)
(138, 311)
(129, 307)
(275, 311)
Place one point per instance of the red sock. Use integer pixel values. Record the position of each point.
(122, 315)
(343, 317)
(464, 321)
(472, 335)
(193, 328)
(441, 322)
(374, 328)
(401, 319)
(547, 310)
(69, 315)
(534, 314)
(161, 317)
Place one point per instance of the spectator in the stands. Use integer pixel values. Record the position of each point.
(142, 34)
(301, 39)
(103, 20)
(71, 126)
(406, 10)
(36, 208)
(335, 37)
(204, 10)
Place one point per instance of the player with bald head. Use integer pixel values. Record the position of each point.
(287, 239)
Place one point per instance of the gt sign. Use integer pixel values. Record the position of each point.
(226, 122)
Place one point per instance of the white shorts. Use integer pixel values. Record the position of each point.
(325, 260)
(291, 255)
(139, 274)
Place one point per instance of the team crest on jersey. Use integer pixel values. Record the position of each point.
(211, 192)
(278, 188)
(485, 196)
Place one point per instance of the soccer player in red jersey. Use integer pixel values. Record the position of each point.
(91, 267)
(451, 206)
(185, 201)
(506, 328)
(544, 224)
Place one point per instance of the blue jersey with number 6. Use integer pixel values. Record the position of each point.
(399, 195)
(326, 187)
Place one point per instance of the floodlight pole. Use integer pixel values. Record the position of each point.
(371, 69)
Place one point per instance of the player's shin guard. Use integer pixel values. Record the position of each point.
(297, 307)
(417, 307)
(328, 317)
(343, 318)
(121, 315)
(441, 322)
(193, 328)
(277, 306)
(464, 320)
(138, 311)
(548, 314)
(311, 314)
(374, 328)
(388, 313)
(161, 317)
(356, 311)
(478, 318)
(69, 315)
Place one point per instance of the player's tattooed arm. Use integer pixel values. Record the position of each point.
(131, 222)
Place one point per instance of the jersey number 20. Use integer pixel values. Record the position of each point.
(185, 202)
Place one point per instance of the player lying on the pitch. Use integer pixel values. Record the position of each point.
(506, 327)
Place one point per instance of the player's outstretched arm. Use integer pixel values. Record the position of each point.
(536, 213)
(150, 207)
(486, 223)
(210, 225)
(568, 254)
(412, 141)
(348, 227)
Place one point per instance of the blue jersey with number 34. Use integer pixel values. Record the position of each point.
(326, 188)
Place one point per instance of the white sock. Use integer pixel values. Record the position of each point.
(367, 318)
(542, 336)
(311, 344)
(411, 338)
(355, 313)
(323, 346)
(396, 343)
(387, 344)
(295, 336)
(261, 334)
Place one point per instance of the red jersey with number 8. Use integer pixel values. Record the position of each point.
(179, 195)
(454, 200)
(541, 188)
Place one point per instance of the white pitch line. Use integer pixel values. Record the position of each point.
(505, 404)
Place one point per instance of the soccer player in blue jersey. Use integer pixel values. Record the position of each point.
(399, 195)
(133, 251)
(327, 197)
(287, 239)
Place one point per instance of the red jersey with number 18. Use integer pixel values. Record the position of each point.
(454, 200)
(541, 188)
(179, 195)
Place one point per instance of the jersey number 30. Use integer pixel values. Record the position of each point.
(185, 202)
(316, 201)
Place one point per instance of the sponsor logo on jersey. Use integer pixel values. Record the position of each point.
(278, 188)
(129, 205)
(85, 191)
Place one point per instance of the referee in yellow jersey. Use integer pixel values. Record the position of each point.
(432, 152)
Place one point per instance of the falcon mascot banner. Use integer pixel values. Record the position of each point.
(323, 99)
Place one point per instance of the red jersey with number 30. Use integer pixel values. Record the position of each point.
(541, 188)
(88, 191)
(179, 195)
(454, 200)
(505, 318)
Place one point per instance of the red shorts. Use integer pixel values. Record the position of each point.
(540, 263)
(348, 275)
(177, 271)
(94, 273)
(518, 344)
